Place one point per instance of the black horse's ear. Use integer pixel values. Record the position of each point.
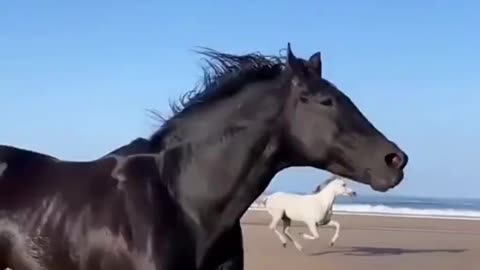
(315, 62)
(295, 64)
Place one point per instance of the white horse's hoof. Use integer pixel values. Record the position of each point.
(284, 245)
(331, 244)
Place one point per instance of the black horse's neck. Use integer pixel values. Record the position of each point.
(220, 149)
(226, 164)
(229, 156)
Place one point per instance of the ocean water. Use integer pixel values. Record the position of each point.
(405, 206)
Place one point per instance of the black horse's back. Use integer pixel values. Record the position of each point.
(43, 199)
(18, 160)
(58, 214)
(19, 171)
(29, 176)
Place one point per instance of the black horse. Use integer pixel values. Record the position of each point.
(180, 207)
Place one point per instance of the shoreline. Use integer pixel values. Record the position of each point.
(377, 214)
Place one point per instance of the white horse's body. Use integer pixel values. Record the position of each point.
(312, 209)
(298, 207)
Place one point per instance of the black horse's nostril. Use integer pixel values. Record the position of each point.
(396, 160)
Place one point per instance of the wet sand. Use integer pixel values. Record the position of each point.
(366, 243)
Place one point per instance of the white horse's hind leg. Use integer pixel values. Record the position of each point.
(286, 230)
(337, 230)
(313, 229)
(276, 217)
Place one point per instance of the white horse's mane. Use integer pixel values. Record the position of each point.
(327, 181)
(330, 179)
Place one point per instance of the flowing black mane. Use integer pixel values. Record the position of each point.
(224, 75)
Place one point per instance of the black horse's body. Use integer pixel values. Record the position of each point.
(175, 201)
(87, 207)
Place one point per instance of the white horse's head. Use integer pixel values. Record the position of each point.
(338, 185)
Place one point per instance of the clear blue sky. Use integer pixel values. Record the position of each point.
(76, 78)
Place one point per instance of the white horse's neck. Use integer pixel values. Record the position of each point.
(325, 197)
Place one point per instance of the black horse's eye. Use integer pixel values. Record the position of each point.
(326, 102)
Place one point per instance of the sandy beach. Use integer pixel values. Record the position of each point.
(365, 243)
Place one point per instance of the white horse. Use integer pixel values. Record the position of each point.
(312, 209)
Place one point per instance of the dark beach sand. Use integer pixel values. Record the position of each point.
(367, 243)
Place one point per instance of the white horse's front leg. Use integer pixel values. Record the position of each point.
(281, 237)
(313, 229)
(337, 231)
(276, 217)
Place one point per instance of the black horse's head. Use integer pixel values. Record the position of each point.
(324, 129)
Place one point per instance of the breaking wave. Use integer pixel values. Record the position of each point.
(404, 211)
